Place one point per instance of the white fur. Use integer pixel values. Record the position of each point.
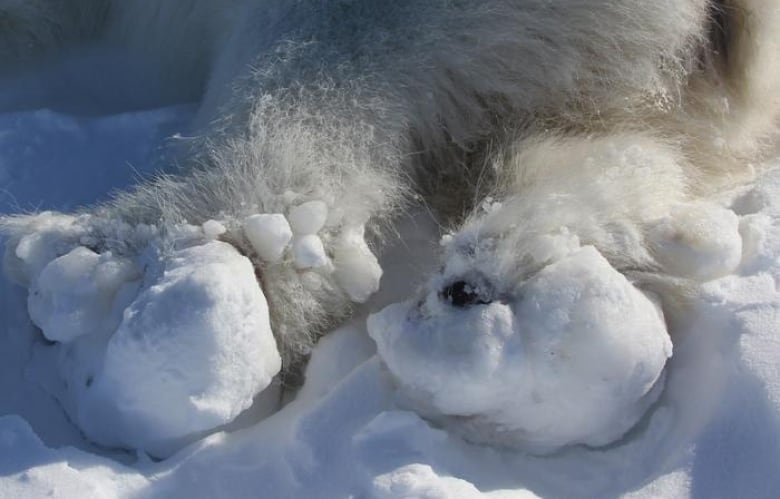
(595, 116)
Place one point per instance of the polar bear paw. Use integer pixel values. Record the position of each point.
(155, 349)
(165, 331)
(574, 354)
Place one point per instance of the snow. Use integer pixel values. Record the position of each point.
(213, 229)
(157, 366)
(46, 153)
(578, 360)
(308, 252)
(73, 295)
(357, 270)
(308, 218)
(269, 235)
(53, 235)
(190, 354)
(713, 432)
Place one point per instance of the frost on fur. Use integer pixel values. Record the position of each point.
(550, 134)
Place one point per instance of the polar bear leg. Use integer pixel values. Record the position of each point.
(747, 45)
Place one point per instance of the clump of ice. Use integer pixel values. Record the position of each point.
(308, 252)
(49, 235)
(574, 355)
(269, 235)
(74, 293)
(356, 268)
(213, 229)
(188, 353)
(698, 240)
(308, 218)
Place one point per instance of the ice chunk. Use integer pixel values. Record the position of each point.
(699, 241)
(48, 235)
(356, 268)
(308, 218)
(308, 252)
(213, 229)
(269, 235)
(575, 355)
(190, 354)
(73, 294)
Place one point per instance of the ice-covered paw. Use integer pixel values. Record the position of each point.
(698, 241)
(155, 351)
(573, 355)
(312, 240)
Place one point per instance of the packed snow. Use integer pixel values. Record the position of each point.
(308, 252)
(577, 360)
(213, 229)
(140, 377)
(74, 294)
(151, 363)
(308, 218)
(269, 234)
(357, 271)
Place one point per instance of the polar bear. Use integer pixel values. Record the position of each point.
(551, 136)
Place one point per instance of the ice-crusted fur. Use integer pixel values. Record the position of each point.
(370, 104)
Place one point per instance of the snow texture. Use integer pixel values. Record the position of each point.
(74, 294)
(309, 252)
(357, 269)
(165, 352)
(153, 364)
(213, 229)
(578, 359)
(308, 218)
(268, 234)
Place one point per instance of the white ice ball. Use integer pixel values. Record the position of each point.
(190, 354)
(308, 218)
(269, 235)
(574, 355)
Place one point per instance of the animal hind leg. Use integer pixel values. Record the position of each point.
(749, 44)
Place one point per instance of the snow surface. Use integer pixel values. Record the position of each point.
(714, 431)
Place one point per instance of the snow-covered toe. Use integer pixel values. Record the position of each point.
(573, 355)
